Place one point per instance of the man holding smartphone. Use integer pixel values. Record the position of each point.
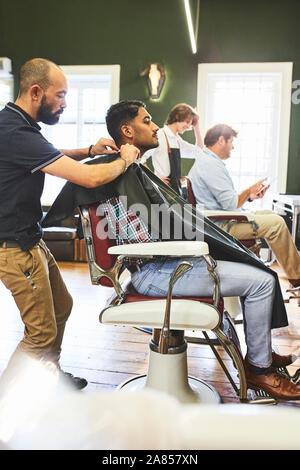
(212, 186)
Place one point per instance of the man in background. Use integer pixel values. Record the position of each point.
(213, 187)
(166, 158)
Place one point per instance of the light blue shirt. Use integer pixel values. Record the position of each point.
(211, 183)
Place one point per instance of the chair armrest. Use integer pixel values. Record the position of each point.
(229, 215)
(176, 249)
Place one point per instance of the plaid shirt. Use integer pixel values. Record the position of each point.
(124, 226)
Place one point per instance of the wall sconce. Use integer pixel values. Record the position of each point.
(156, 77)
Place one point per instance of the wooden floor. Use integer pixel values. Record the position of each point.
(107, 355)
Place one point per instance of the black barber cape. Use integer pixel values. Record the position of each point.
(141, 186)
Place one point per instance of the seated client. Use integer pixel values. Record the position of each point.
(128, 122)
(212, 186)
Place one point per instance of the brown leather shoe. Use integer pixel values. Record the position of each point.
(274, 384)
(282, 361)
(278, 360)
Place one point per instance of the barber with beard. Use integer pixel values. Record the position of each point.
(27, 268)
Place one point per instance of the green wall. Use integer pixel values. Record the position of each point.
(134, 33)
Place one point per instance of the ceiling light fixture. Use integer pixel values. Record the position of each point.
(193, 36)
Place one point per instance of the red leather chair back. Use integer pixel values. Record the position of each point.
(101, 243)
(191, 197)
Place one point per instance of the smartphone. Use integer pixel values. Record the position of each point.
(268, 182)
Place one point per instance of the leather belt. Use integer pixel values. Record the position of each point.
(132, 268)
(9, 244)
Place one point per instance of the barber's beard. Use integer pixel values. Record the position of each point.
(45, 114)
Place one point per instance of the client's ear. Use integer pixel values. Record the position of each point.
(127, 131)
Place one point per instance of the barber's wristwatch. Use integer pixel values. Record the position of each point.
(126, 163)
(89, 152)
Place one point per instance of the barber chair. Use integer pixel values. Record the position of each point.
(168, 317)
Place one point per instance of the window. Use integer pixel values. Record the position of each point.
(253, 98)
(6, 89)
(91, 91)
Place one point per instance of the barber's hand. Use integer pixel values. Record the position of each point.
(104, 146)
(258, 190)
(130, 153)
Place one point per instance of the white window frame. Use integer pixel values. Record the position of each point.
(7, 79)
(112, 70)
(286, 69)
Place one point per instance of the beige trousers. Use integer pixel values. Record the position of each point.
(274, 230)
(41, 296)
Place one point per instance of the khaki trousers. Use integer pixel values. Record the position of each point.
(274, 230)
(41, 296)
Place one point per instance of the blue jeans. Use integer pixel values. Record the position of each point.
(254, 286)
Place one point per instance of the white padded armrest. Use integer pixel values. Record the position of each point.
(219, 213)
(176, 248)
(185, 314)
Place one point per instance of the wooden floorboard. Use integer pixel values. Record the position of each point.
(108, 355)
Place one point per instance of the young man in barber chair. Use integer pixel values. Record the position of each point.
(128, 122)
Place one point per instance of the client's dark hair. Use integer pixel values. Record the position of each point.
(213, 134)
(120, 114)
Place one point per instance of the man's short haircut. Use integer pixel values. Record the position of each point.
(35, 72)
(120, 114)
(181, 112)
(213, 134)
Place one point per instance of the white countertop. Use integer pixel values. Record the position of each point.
(293, 199)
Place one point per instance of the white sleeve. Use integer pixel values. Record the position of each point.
(160, 156)
(188, 150)
(145, 157)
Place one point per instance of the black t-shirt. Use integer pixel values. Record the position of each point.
(23, 153)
